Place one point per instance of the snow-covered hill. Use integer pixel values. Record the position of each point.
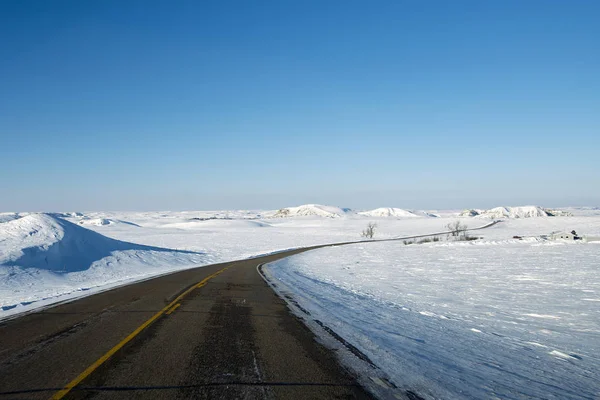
(44, 258)
(46, 242)
(470, 213)
(310, 210)
(515, 212)
(389, 212)
(507, 212)
(558, 213)
(423, 213)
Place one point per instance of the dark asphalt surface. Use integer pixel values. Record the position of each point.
(231, 339)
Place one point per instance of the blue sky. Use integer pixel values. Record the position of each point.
(147, 105)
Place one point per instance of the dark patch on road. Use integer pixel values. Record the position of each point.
(225, 358)
(100, 376)
(43, 342)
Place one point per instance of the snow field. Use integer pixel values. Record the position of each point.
(491, 319)
(219, 235)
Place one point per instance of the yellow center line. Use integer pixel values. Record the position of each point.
(174, 304)
(173, 309)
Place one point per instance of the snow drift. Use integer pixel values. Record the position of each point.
(43, 257)
(47, 242)
(310, 210)
(389, 212)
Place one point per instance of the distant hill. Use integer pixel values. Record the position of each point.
(470, 213)
(390, 212)
(507, 212)
(6, 217)
(310, 210)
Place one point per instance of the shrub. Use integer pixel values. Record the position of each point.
(370, 231)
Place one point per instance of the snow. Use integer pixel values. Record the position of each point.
(73, 251)
(494, 318)
(6, 217)
(389, 212)
(470, 213)
(310, 210)
(497, 317)
(97, 222)
(512, 212)
(44, 257)
(515, 212)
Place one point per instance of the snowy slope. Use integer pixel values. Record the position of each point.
(310, 210)
(5, 217)
(46, 242)
(389, 212)
(43, 256)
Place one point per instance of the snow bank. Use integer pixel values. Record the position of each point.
(46, 242)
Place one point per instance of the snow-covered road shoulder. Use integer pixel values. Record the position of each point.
(488, 319)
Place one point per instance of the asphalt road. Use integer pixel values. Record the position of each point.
(214, 332)
(231, 338)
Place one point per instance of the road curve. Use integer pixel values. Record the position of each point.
(216, 331)
(231, 338)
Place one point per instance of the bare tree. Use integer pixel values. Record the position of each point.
(457, 229)
(370, 231)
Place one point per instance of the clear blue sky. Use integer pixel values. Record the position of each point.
(141, 105)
